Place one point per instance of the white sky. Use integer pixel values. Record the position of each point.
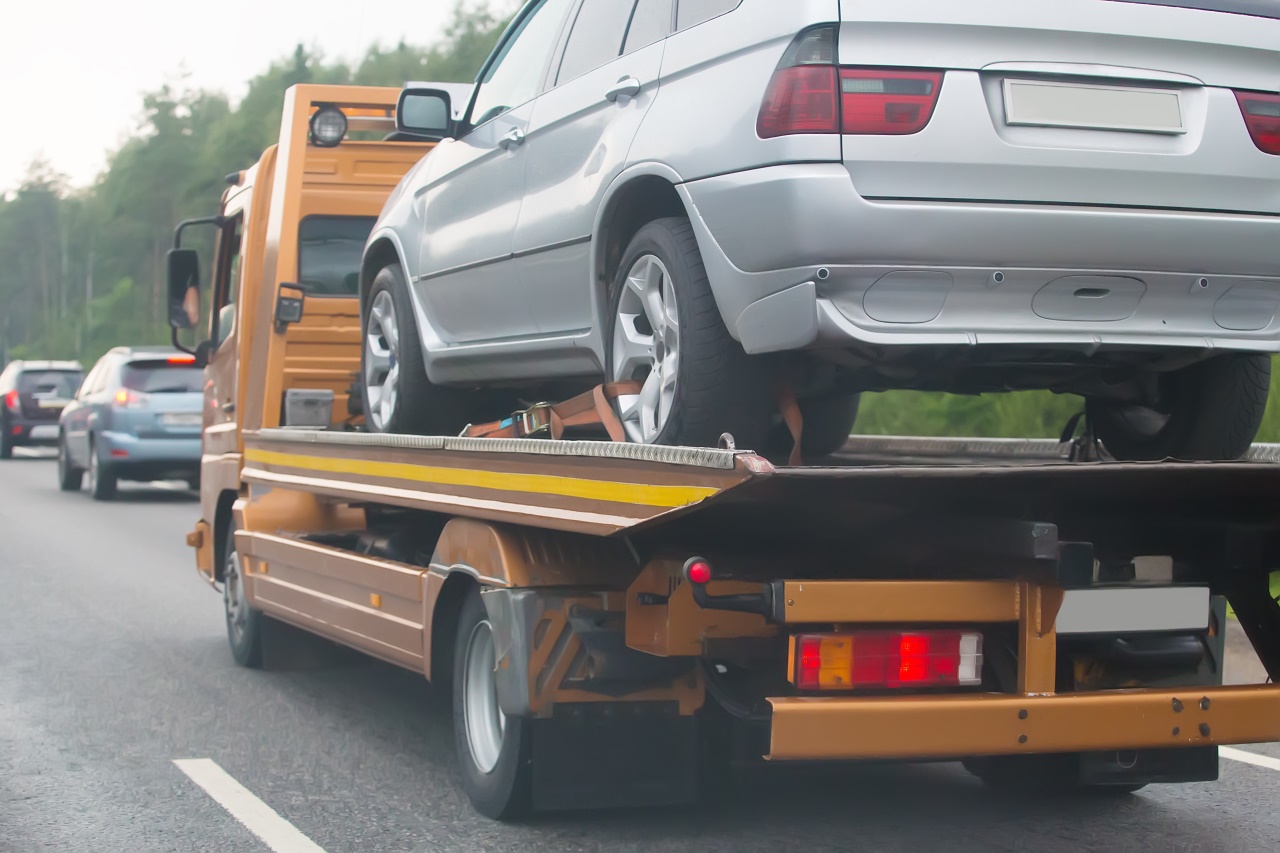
(72, 72)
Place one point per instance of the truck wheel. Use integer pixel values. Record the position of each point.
(492, 747)
(70, 478)
(244, 623)
(398, 397)
(1037, 775)
(665, 331)
(1211, 410)
(102, 477)
(828, 420)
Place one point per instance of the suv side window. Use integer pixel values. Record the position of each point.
(650, 22)
(596, 37)
(516, 72)
(690, 13)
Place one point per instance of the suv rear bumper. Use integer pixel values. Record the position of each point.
(797, 258)
(151, 458)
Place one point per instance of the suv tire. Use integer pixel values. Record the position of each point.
(70, 478)
(1209, 411)
(102, 477)
(398, 397)
(703, 384)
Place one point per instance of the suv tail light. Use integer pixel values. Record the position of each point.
(887, 659)
(12, 401)
(810, 93)
(130, 399)
(1262, 116)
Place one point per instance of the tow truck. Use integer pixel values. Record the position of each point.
(618, 623)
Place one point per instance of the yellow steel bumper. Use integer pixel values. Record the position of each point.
(958, 726)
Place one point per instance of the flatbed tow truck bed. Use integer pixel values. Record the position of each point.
(1078, 574)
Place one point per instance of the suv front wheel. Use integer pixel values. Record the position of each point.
(665, 332)
(1209, 411)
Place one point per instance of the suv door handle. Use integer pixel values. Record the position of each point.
(627, 87)
(513, 139)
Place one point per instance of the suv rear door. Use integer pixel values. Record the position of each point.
(43, 394)
(603, 83)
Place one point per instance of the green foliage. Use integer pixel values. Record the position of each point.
(83, 271)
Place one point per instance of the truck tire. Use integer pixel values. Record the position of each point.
(398, 397)
(665, 330)
(244, 623)
(493, 749)
(1210, 411)
(828, 420)
(70, 478)
(102, 477)
(1037, 775)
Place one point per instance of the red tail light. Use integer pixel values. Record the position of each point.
(888, 659)
(887, 101)
(182, 359)
(129, 399)
(11, 400)
(810, 93)
(1262, 117)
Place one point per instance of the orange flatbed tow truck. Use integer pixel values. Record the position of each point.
(616, 621)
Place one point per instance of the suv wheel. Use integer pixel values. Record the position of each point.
(665, 331)
(6, 441)
(102, 477)
(398, 397)
(1211, 410)
(70, 478)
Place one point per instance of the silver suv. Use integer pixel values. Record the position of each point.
(721, 197)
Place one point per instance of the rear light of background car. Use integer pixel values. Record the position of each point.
(1262, 117)
(887, 101)
(869, 659)
(130, 399)
(182, 359)
(810, 94)
(11, 400)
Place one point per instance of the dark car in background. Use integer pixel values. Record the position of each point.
(136, 417)
(32, 396)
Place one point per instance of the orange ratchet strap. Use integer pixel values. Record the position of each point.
(592, 408)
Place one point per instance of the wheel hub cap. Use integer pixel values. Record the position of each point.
(646, 348)
(381, 363)
(486, 724)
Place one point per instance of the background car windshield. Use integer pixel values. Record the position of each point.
(329, 251)
(161, 377)
(57, 383)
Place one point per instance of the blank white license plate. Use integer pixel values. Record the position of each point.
(1044, 104)
(1132, 610)
(44, 432)
(51, 403)
(183, 420)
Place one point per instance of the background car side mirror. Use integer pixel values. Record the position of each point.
(424, 114)
(184, 288)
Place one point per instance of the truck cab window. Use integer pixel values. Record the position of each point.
(329, 252)
(227, 279)
(516, 74)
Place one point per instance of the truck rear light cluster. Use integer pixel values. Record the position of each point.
(874, 659)
(1262, 116)
(810, 93)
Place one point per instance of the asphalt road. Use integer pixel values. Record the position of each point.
(113, 663)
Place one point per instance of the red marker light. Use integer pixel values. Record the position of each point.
(699, 571)
(182, 359)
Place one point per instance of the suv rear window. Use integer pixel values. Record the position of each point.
(162, 377)
(58, 383)
(1257, 8)
(329, 252)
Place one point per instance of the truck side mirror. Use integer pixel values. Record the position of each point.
(184, 288)
(424, 114)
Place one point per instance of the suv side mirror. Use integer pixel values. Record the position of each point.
(424, 113)
(184, 288)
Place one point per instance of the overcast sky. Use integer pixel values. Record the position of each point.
(72, 72)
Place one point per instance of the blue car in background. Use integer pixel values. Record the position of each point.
(137, 416)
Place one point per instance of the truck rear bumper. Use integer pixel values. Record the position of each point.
(1001, 724)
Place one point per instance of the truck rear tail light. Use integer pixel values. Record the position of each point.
(887, 101)
(810, 93)
(12, 401)
(1262, 117)
(893, 659)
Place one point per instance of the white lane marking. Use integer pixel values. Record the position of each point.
(258, 817)
(1250, 758)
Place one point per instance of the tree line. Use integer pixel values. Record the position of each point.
(82, 270)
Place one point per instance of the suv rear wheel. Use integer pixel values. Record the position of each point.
(398, 396)
(1211, 410)
(102, 477)
(665, 331)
